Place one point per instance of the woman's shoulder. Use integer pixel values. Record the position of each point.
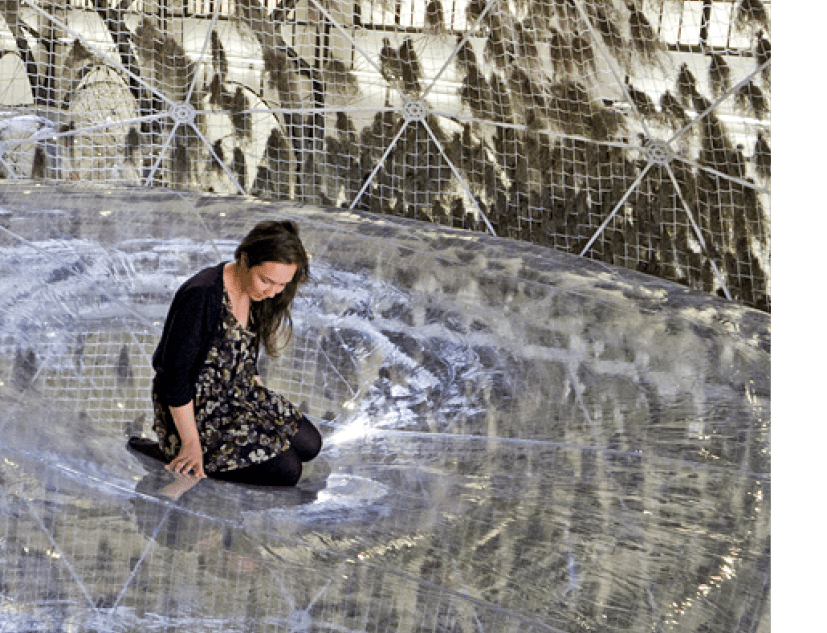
(205, 279)
(205, 285)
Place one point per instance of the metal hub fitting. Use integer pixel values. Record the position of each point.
(183, 114)
(415, 110)
(658, 152)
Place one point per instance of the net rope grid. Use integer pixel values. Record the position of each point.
(179, 107)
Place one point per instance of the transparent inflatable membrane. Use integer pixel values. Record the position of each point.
(636, 132)
(516, 439)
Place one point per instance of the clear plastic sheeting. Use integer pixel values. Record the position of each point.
(516, 439)
(635, 132)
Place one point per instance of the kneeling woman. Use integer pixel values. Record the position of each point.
(213, 415)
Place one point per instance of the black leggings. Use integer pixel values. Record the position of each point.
(285, 469)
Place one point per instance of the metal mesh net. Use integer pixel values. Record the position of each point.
(636, 132)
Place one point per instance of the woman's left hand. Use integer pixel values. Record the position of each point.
(190, 459)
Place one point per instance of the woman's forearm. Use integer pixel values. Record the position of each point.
(184, 418)
(190, 458)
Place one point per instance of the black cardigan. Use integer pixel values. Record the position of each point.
(193, 321)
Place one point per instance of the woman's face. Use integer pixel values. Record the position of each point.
(268, 279)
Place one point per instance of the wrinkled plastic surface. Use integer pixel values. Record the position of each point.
(515, 439)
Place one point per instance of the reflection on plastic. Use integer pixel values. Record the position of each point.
(515, 439)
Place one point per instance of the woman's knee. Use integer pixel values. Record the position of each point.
(288, 470)
(307, 440)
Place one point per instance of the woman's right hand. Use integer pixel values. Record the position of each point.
(190, 460)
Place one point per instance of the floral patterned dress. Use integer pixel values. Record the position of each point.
(239, 421)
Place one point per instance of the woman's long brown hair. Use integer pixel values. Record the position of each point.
(274, 241)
